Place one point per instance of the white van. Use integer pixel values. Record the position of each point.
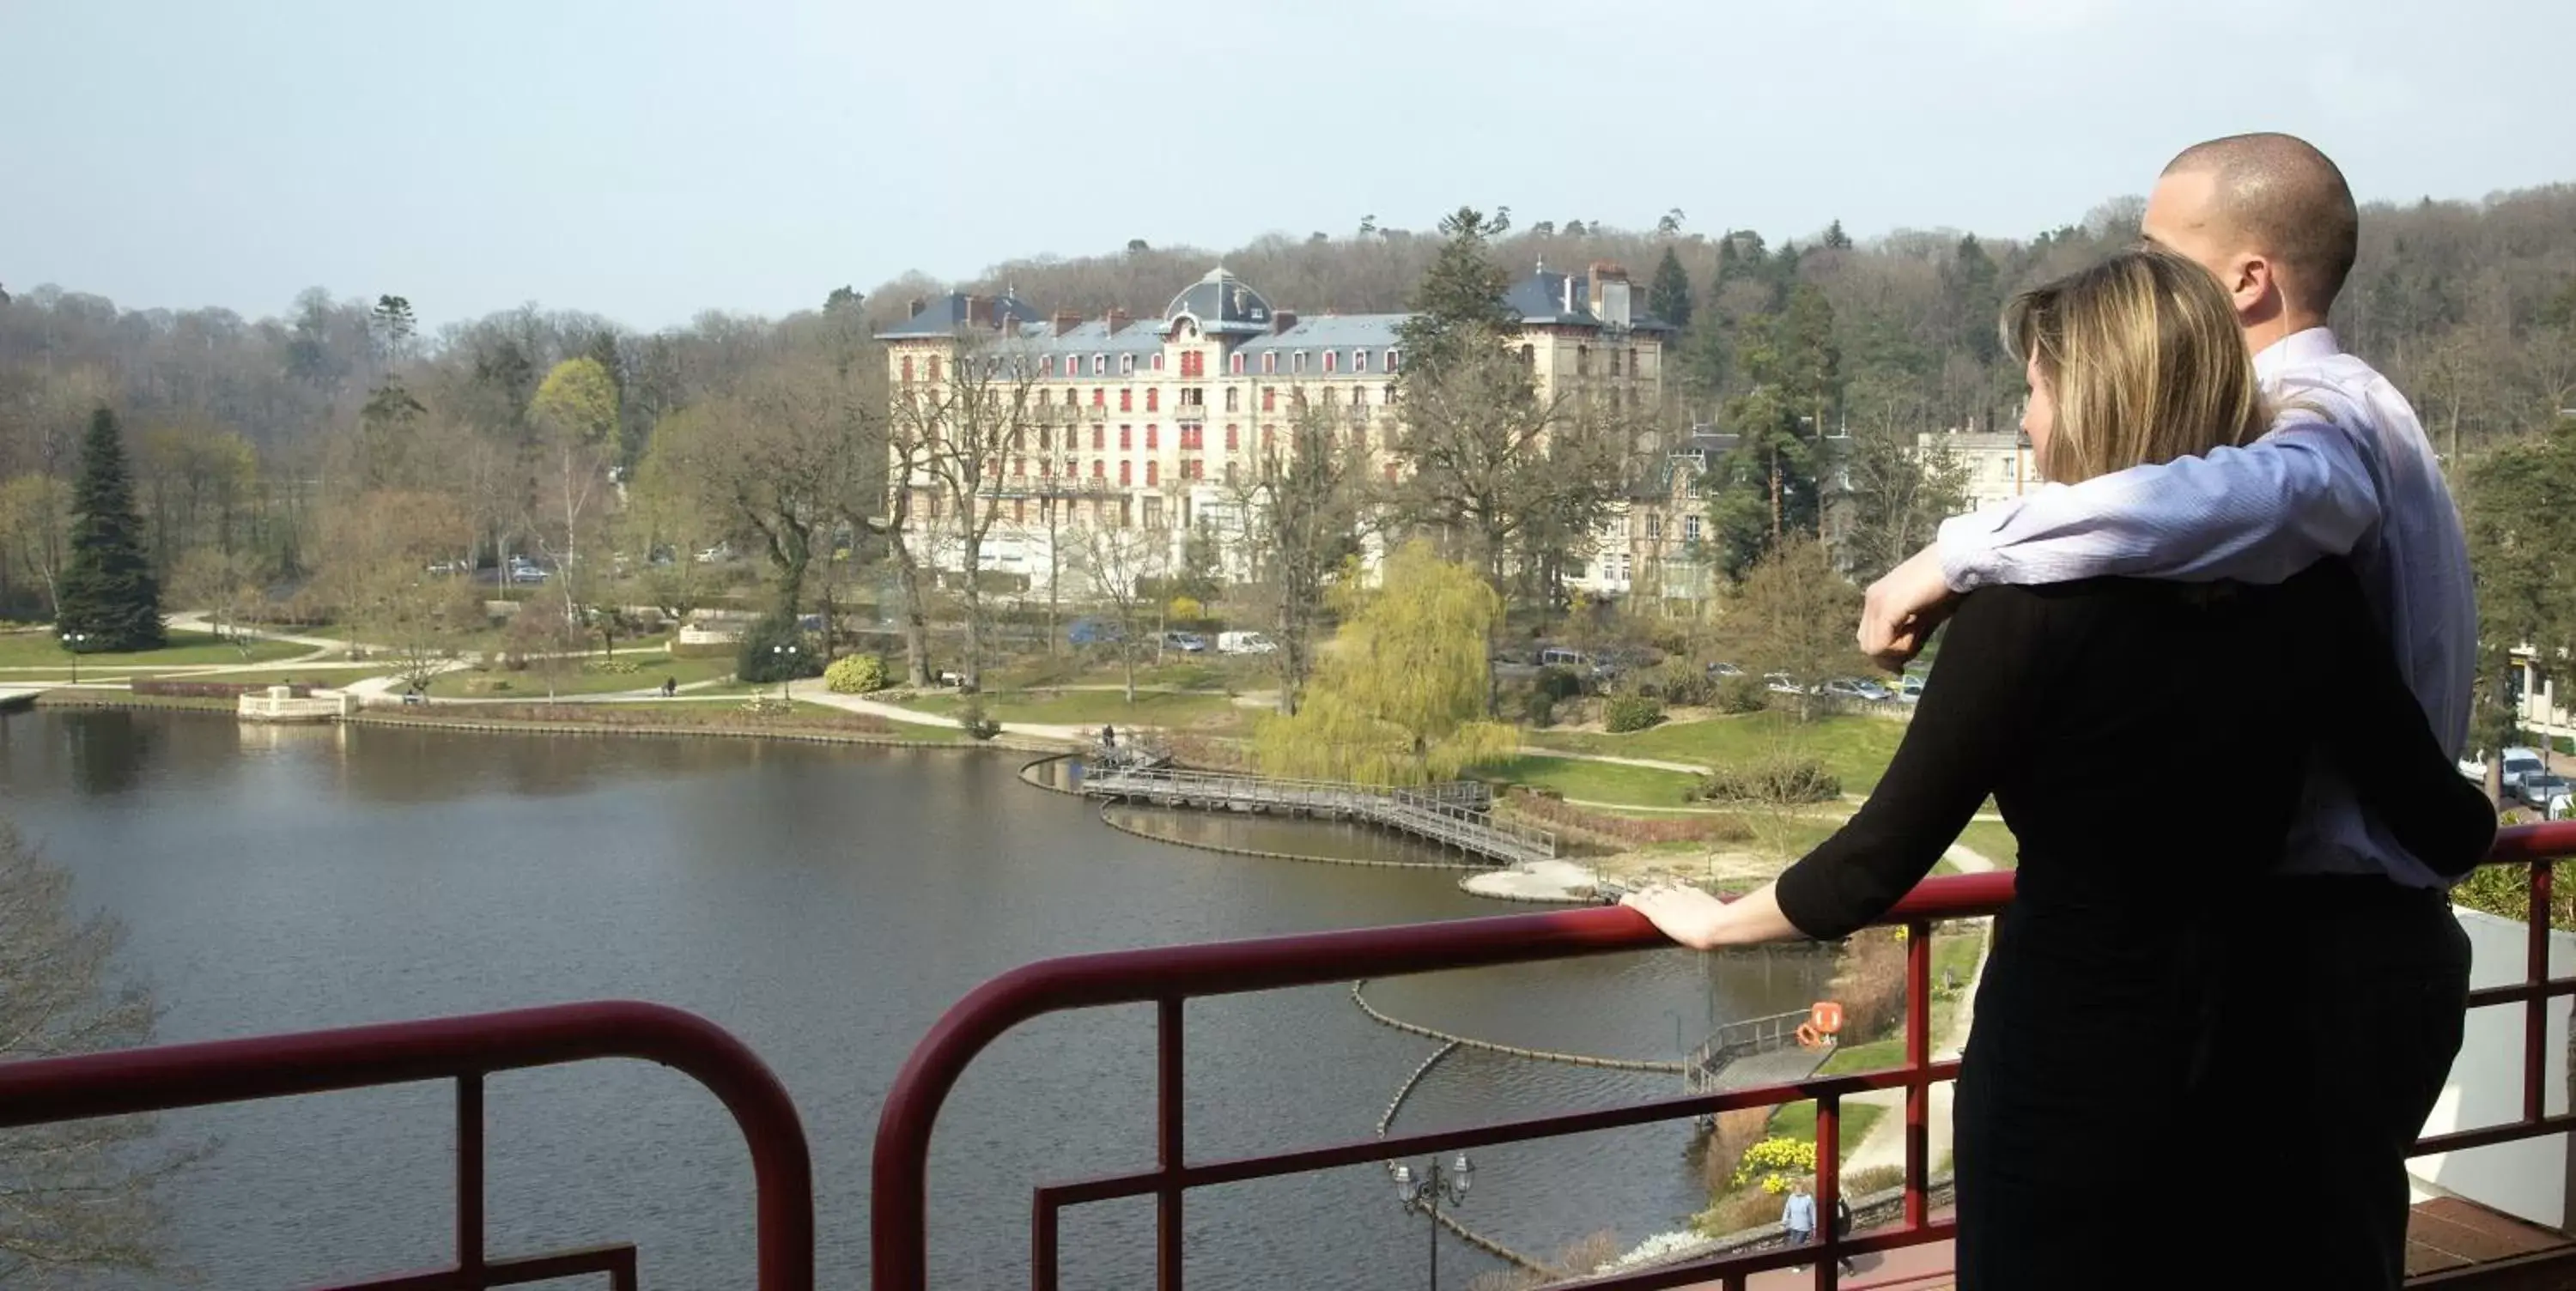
(1244, 643)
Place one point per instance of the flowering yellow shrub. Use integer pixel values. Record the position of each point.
(1775, 1161)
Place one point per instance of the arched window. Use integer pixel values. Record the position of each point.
(1126, 365)
(1234, 363)
(1153, 472)
(1391, 357)
(1153, 436)
(1099, 365)
(1328, 361)
(934, 367)
(907, 369)
(1269, 362)
(1233, 439)
(1153, 399)
(1297, 361)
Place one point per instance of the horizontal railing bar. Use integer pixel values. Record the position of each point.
(1363, 1151)
(516, 1270)
(2487, 1136)
(1739, 1264)
(2521, 992)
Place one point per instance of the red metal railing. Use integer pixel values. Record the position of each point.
(463, 1049)
(1169, 976)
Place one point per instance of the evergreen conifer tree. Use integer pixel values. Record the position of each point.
(1669, 297)
(110, 600)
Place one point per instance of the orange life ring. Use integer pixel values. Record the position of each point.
(1808, 1036)
(1826, 1016)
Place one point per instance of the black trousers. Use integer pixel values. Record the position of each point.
(2330, 1053)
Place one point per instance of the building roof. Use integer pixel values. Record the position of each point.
(943, 315)
(1565, 300)
(1221, 305)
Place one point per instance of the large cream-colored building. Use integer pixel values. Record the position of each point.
(1159, 423)
(1999, 465)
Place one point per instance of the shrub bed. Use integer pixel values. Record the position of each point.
(669, 715)
(1774, 780)
(1631, 712)
(1563, 815)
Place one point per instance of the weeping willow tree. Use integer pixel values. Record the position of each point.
(1400, 697)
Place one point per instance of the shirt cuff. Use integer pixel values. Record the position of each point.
(1967, 545)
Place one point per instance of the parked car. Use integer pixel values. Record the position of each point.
(2538, 787)
(1860, 688)
(1244, 643)
(526, 574)
(720, 551)
(1909, 688)
(1085, 632)
(1560, 657)
(2519, 763)
(447, 567)
(1185, 642)
(1778, 683)
(1724, 670)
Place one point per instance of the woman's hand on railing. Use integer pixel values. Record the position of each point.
(1703, 922)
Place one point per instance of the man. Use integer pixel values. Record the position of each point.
(1799, 1215)
(2366, 971)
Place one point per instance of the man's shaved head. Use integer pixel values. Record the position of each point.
(2287, 201)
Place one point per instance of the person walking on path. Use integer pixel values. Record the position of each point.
(1842, 1229)
(2353, 922)
(1799, 1215)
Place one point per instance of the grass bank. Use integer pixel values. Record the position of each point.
(1593, 781)
(1855, 748)
(1955, 949)
(42, 650)
(1091, 707)
(580, 678)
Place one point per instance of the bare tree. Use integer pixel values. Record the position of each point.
(965, 424)
(81, 1198)
(1124, 566)
(1897, 492)
(1301, 512)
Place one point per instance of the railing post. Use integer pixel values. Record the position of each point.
(1168, 1108)
(469, 1176)
(2535, 1011)
(1829, 1122)
(1918, 1057)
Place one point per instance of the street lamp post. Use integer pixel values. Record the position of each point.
(72, 642)
(1423, 1193)
(786, 655)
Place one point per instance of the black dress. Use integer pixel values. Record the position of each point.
(2146, 742)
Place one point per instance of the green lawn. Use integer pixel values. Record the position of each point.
(1798, 1121)
(41, 650)
(1954, 958)
(1594, 781)
(1087, 707)
(475, 683)
(324, 676)
(1854, 748)
(1990, 839)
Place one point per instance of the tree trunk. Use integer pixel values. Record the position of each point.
(916, 619)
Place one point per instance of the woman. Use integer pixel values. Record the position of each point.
(2147, 744)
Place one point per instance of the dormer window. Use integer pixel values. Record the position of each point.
(1269, 364)
(1391, 357)
(1158, 360)
(1126, 365)
(1328, 361)
(1297, 362)
(1234, 364)
(1359, 360)
(1100, 365)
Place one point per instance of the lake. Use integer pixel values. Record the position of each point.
(825, 905)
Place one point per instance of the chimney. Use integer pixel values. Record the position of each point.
(1281, 320)
(1066, 320)
(1117, 321)
(1610, 293)
(918, 305)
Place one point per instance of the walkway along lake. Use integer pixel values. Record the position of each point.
(825, 905)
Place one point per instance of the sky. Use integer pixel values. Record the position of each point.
(646, 161)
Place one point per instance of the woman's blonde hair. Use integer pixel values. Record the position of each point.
(2143, 355)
